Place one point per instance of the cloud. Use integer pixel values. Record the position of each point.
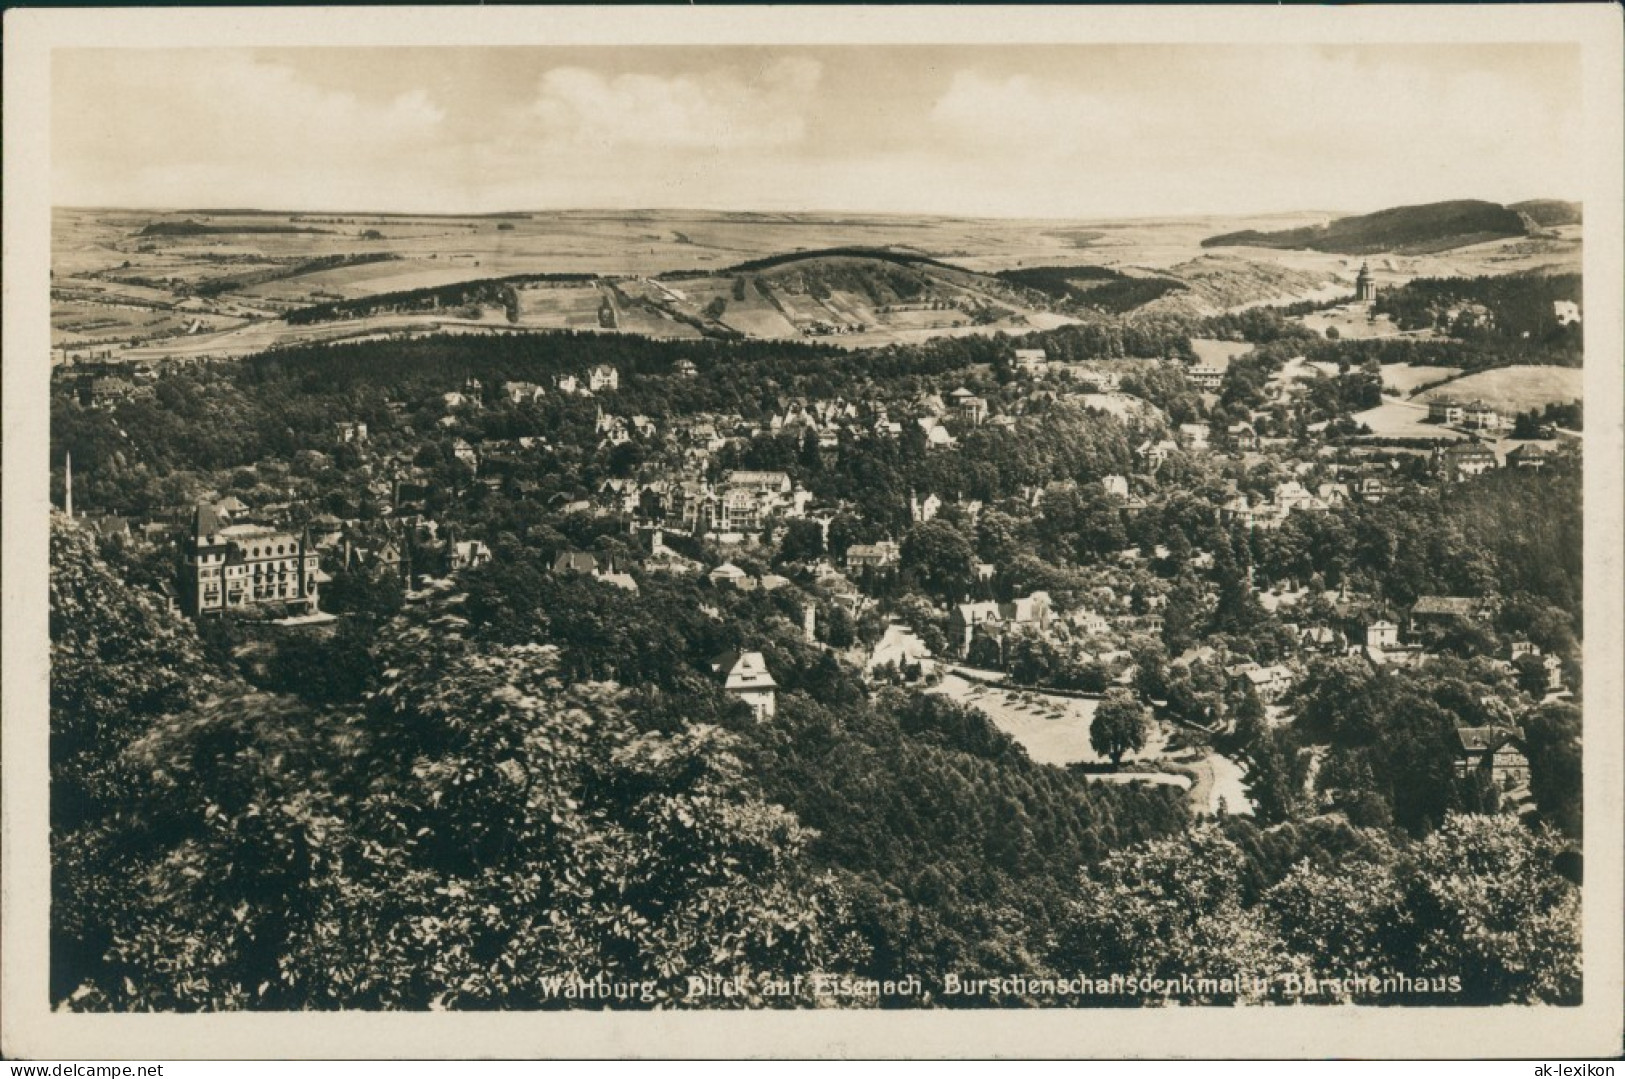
(228, 104)
(1020, 112)
(716, 109)
(152, 116)
(1162, 130)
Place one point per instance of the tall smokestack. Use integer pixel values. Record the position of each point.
(67, 484)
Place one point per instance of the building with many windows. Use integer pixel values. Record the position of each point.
(235, 567)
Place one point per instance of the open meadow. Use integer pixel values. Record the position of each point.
(1513, 389)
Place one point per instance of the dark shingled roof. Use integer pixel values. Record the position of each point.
(206, 521)
(574, 561)
(1485, 739)
(1445, 605)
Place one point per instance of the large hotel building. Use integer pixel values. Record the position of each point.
(232, 567)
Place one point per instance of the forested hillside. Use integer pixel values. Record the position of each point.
(1437, 226)
(462, 800)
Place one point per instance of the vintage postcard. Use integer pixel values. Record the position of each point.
(762, 531)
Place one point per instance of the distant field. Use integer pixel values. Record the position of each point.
(1402, 419)
(1514, 389)
(1403, 378)
(259, 336)
(440, 250)
(561, 308)
(635, 318)
(751, 314)
(80, 323)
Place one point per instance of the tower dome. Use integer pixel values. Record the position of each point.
(1365, 289)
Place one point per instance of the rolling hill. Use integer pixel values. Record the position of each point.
(1550, 213)
(1436, 226)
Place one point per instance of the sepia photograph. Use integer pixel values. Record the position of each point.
(580, 523)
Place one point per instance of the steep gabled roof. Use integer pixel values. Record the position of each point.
(207, 521)
(575, 562)
(1487, 739)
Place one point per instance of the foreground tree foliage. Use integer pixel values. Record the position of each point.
(475, 835)
(1473, 914)
(526, 831)
(116, 660)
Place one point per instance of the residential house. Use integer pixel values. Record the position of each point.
(937, 437)
(1465, 459)
(1030, 613)
(603, 377)
(1438, 612)
(1382, 635)
(900, 649)
(925, 510)
(1528, 455)
(1153, 454)
(1333, 494)
(873, 555)
(1103, 381)
(107, 391)
(1205, 376)
(745, 677)
(1497, 753)
(571, 561)
(466, 554)
(1270, 683)
(599, 567)
(1554, 673)
(1265, 515)
(523, 392)
(1323, 639)
(728, 575)
(1446, 410)
(1243, 436)
(1479, 416)
(1294, 497)
(1089, 623)
(968, 407)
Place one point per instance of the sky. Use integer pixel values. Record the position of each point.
(1065, 131)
